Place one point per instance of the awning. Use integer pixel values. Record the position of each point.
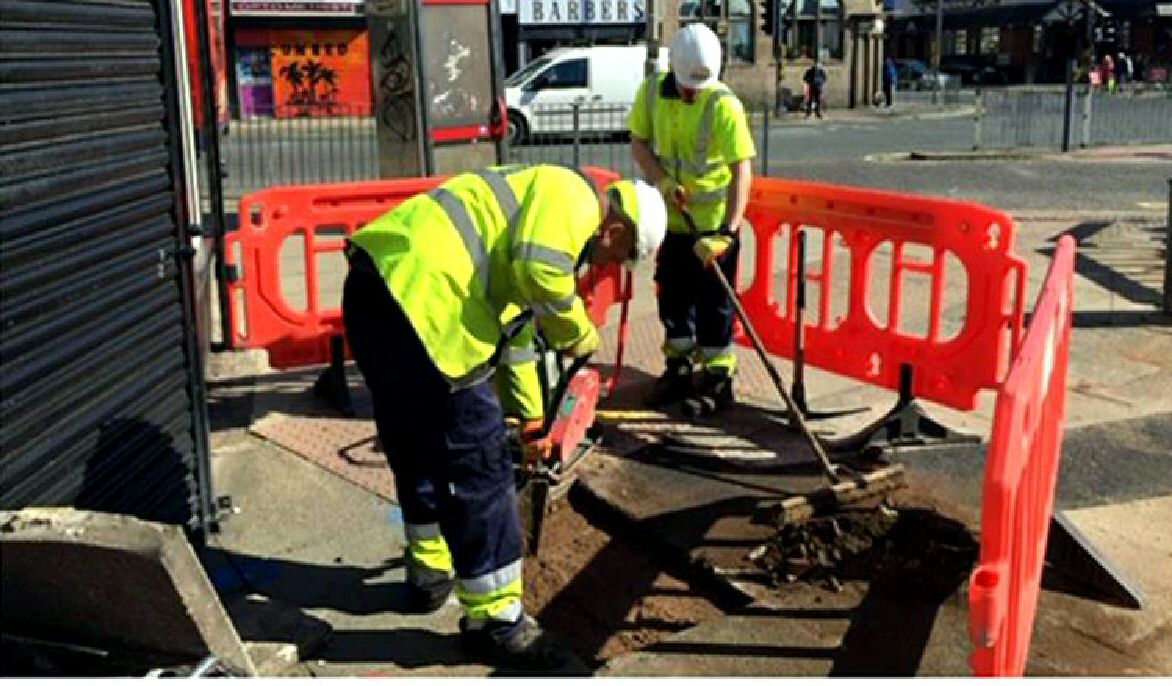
(1068, 11)
(1013, 15)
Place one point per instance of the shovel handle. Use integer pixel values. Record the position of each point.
(828, 468)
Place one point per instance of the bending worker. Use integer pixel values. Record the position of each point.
(690, 138)
(424, 304)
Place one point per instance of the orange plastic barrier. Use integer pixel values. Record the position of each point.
(1020, 479)
(287, 264)
(859, 328)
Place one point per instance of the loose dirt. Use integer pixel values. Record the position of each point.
(914, 551)
(602, 595)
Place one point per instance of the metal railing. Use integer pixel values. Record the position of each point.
(598, 135)
(1036, 117)
(574, 134)
(259, 152)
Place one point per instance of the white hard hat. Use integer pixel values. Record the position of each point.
(644, 205)
(695, 56)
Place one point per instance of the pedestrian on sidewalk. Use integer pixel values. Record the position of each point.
(690, 137)
(815, 80)
(890, 75)
(1109, 72)
(427, 307)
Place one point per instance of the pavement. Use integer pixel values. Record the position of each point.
(315, 525)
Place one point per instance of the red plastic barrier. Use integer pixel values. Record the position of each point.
(1020, 478)
(317, 219)
(845, 336)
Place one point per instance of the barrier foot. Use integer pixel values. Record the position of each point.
(1075, 566)
(798, 393)
(331, 385)
(905, 424)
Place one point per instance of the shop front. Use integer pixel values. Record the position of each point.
(542, 25)
(300, 59)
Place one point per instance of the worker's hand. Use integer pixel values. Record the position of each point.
(710, 248)
(585, 345)
(673, 193)
(536, 448)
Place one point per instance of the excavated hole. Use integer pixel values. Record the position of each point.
(913, 553)
(605, 594)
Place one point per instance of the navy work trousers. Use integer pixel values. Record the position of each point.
(692, 304)
(447, 449)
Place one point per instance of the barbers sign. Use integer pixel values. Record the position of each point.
(578, 12)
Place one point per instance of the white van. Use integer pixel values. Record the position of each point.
(603, 79)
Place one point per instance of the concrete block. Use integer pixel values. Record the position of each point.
(112, 581)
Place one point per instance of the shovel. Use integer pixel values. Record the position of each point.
(846, 485)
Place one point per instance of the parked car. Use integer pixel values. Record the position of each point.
(602, 79)
(914, 75)
(975, 74)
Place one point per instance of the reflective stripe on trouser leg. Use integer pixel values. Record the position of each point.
(721, 360)
(478, 508)
(715, 316)
(493, 596)
(677, 273)
(429, 561)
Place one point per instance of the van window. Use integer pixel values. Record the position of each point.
(528, 70)
(568, 74)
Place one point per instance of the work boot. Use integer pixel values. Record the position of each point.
(674, 385)
(425, 599)
(517, 644)
(715, 393)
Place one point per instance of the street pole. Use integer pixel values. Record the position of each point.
(1068, 111)
(1168, 255)
(937, 53)
(817, 32)
(653, 37)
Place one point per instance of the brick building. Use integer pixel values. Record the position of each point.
(848, 33)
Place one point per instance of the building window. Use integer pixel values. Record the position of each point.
(960, 44)
(800, 21)
(990, 40)
(731, 20)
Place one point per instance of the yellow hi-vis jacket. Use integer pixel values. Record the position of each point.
(464, 259)
(695, 144)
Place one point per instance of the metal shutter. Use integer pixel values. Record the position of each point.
(102, 398)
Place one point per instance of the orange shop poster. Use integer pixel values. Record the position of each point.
(316, 72)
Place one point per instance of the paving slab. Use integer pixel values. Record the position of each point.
(303, 536)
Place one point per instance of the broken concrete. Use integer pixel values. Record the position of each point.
(112, 581)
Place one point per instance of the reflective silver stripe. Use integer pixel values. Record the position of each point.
(715, 196)
(493, 581)
(422, 532)
(545, 309)
(473, 241)
(533, 252)
(505, 196)
(696, 169)
(710, 353)
(478, 375)
(704, 138)
(652, 96)
(515, 356)
(682, 345)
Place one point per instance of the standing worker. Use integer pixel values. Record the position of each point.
(690, 138)
(424, 303)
